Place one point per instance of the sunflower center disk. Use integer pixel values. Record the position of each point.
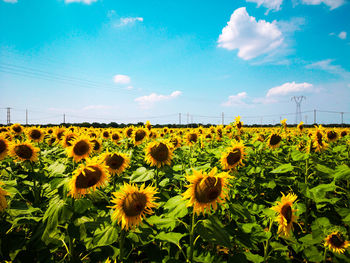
(208, 189)
(319, 138)
(287, 212)
(160, 152)
(91, 178)
(115, 137)
(23, 151)
(129, 132)
(96, 145)
(17, 129)
(2, 146)
(336, 241)
(192, 137)
(139, 135)
(134, 204)
(35, 134)
(233, 157)
(81, 148)
(331, 135)
(115, 161)
(275, 139)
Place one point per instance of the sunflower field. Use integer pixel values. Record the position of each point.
(144, 194)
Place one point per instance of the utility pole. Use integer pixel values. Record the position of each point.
(222, 117)
(315, 116)
(26, 116)
(8, 115)
(64, 118)
(305, 119)
(298, 100)
(188, 117)
(180, 118)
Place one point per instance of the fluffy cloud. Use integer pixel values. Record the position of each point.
(331, 3)
(148, 101)
(11, 1)
(269, 4)
(289, 87)
(121, 79)
(80, 1)
(342, 35)
(252, 38)
(128, 20)
(235, 100)
(327, 65)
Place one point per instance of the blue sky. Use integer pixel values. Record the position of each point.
(129, 61)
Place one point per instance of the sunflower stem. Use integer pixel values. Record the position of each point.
(190, 257)
(157, 179)
(306, 199)
(266, 246)
(325, 255)
(121, 245)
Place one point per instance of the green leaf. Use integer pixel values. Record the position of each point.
(318, 193)
(254, 257)
(313, 254)
(324, 169)
(142, 175)
(105, 236)
(342, 172)
(162, 223)
(299, 156)
(56, 168)
(176, 207)
(212, 230)
(81, 205)
(171, 237)
(284, 168)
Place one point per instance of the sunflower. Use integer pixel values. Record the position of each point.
(68, 137)
(274, 140)
(206, 190)
(233, 156)
(80, 149)
(332, 135)
(3, 202)
(191, 138)
(97, 145)
(35, 134)
(158, 153)
(51, 140)
(176, 142)
(105, 134)
(128, 131)
(87, 177)
(300, 126)
(59, 132)
(238, 122)
(17, 128)
(139, 135)
(318, 141)
(153, 135)
(284, 123)
(148, 125)
(336, 242)
(132, 204)
(115, 137)
(4, 147)
(286, 215)
(343, 133)
(23, 151)
(116, 162)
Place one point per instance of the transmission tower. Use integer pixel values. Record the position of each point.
(8, 115)
(298, 100)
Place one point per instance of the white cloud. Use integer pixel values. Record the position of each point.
(289, 87)
(121, 79)
(269, 4)
(129, 87)
(326, 65)
(252, 38)
(128, 20)
(148, 101)
(342, 35)
(331, 3)
(11, 1)
(235, 100)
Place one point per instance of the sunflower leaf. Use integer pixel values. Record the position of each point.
(171, 237)
(284, 168)
(142, 175)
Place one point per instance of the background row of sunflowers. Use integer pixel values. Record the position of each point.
(140, 194)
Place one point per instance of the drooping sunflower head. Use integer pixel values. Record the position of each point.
(3, 202)
(23, 151)
(35, 134)
(80, 149)
(336, 242)
(332, 135)
(148, 125)
(87, 177)
(115, 162)
(158, 153)
(132, 203)
(318, 140)
(205, 191)
(191, 138)
(4, 146)
(139, 135)
(284, 123)
(286, 215)
(238, 122)
(300, 126)
(233, 156)
(274, 140)
(16, 128)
